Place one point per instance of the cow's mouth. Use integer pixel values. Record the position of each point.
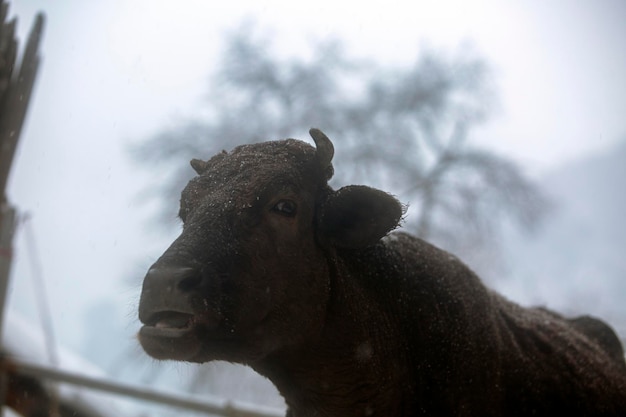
(170, 335)
(169, 322)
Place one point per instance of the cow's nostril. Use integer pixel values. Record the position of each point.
(169, 278)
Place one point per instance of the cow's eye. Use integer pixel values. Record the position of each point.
(286, 208)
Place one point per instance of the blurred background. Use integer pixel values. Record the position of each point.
(500, 124)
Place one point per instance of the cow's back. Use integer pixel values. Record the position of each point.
(491, 356)
(554, 365)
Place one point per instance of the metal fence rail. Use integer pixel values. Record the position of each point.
(210, 405)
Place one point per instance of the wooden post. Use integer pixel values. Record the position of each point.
(7, 227)
(15, 92)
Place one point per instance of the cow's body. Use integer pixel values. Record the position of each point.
(277, 271)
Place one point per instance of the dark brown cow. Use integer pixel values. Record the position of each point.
(276, 270)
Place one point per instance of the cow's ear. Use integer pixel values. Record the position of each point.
(358, 216)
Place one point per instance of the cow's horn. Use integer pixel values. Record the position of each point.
(198, 165)
(325, 149)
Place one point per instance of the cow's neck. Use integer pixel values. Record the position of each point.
(352, 369)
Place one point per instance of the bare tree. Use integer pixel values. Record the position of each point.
(407, 130)
(417, 129)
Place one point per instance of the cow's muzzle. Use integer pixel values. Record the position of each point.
(172, 310)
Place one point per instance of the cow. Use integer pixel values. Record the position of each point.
(312, 288)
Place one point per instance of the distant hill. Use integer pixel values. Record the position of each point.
(577, 262)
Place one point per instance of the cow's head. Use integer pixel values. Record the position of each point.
(249, 274)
